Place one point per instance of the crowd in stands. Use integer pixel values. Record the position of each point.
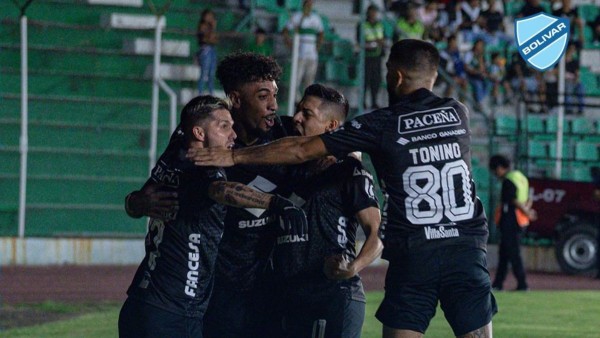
(477, 45)
(479, 52)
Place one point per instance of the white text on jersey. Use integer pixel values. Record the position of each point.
(440, 232)
(439, 152)
(193, 265)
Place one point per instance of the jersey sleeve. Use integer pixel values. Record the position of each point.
(359, 188)
(359, 134)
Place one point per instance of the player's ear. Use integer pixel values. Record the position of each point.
(234, 97)
(199, 133)
(332, 125)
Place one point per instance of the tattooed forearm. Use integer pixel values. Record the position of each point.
(238, 195)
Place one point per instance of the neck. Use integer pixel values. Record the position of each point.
(243, 135)
(196, 144)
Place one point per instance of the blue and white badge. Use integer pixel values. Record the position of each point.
(542, 39)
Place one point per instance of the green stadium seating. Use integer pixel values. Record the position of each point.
(535, 124)
(585, 151)
(591, 82)
(89, 113)
(552, 125)
(537, 149)
(338, 72)
(581, 126)
(505, 125)
(566, 153)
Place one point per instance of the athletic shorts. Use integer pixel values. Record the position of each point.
(337, 316)
(452, 271)
(234, 313)
(141, 320)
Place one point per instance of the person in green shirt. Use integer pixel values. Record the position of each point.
(259, 44)
(514, 213)
(374, 43)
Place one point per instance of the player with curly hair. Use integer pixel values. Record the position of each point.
(241, 285)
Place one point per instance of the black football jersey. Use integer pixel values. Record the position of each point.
(249, 236)
(420, 148)
(176, 273)
(331, 200)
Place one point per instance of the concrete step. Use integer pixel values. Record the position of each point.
(175, 72)
(130, 21)
(141, 46)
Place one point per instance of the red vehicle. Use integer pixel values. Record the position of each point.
(569, 213)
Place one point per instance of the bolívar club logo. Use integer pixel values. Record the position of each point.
(542, 39)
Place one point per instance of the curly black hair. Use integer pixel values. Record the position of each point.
(243, 67)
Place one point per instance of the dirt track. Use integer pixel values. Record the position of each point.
(108, 283)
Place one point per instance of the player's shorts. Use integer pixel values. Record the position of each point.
(235, 313)
(451, 270)
(337, 316)
(139, 319)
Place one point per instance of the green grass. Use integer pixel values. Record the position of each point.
(547, 314)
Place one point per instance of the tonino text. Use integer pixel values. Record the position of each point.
(439, 152)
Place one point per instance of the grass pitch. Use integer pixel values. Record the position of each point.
(534, 314)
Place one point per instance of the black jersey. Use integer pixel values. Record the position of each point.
(176, 273)
(420, 148)
(331, 200)
(249, 233)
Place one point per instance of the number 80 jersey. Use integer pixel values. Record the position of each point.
(420, 148)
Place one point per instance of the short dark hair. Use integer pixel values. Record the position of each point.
(199, 109)
(415, 55)
(331, 97)
(244, 67)
(497, 161)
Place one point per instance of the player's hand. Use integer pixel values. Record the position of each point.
(337, 267)
(218, 157)
(291, 218)
(155, 200)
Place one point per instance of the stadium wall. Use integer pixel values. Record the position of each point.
(88, 251)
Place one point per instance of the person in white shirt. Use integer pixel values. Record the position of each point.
(309, 26)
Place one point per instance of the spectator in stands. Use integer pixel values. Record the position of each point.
(550, 77)
(448, 19)
(408, 26)
(374, 44)
(571, 13)
(470, 11)
(477, 71)
(498, 79)
(573, 84)
(309, 26)
(491, 21)
(451, 61)
(259, 44)
(531, 7)
(513, 214)
(207, 53)
(427, 14)
(526, 81)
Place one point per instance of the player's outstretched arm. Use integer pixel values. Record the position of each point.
(337, 267)
(292, 218)
(289, 150)
(153, 200)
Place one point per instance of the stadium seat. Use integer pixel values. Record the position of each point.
(581, 126)
(338, 72)
(535, 124)
(505, 125)
(582, 173)
(552, 150)
(537, 149)
(552, 125)
(585, 151)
